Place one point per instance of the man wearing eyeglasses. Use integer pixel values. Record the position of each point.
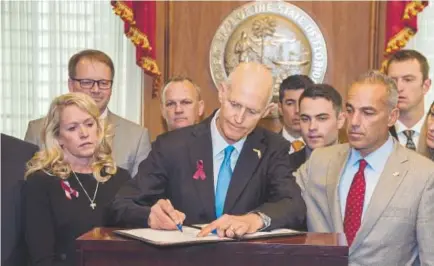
(92, 72)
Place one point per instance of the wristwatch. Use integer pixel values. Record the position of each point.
(265, 219)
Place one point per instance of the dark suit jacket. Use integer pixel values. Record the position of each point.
(264, 184)
(14, 155)
(298, 158)
(393, 132)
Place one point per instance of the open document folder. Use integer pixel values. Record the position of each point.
(189, 236)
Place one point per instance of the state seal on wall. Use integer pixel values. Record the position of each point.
(277, 34)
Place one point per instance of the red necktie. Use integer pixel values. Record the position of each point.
(354, 206)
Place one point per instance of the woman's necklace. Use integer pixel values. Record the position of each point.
(92, 201)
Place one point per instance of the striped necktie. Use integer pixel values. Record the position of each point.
(410, 143)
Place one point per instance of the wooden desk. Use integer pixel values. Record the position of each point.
(101, 247)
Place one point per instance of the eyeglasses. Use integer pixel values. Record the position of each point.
(103, 84)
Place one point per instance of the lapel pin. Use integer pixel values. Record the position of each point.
(200, 173)
(396, 174)
(258, 152)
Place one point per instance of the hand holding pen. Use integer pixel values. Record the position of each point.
(164, 216)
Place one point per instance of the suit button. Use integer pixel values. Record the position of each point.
(62, 256)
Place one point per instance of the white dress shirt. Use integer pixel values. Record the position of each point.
(376, 162)
(400, 127)
(219, 145)
(104, 114)
(290, 138)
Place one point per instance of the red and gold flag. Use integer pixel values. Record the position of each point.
(401, 23)
(140, 27)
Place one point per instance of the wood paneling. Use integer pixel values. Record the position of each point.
(381, 34)
(185, 31)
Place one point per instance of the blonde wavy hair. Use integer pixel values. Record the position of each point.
(422, 146)
(50, 158)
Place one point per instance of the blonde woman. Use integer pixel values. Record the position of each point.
(426, 140)
(70, 182)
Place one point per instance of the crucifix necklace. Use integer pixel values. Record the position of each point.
(92, 201)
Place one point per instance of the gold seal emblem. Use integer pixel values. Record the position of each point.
(278, 34)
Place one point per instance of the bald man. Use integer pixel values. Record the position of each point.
(181, 103)
(225, 171)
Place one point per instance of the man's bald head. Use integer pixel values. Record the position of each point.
(245, 98)
(253, 74)
(181, 104)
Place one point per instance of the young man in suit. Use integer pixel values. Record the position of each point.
(321, 118)
(289, 93)
(378, 193)
(92, 72)
(181, 103)
(224, 171)
(14, 155)
(409, 69)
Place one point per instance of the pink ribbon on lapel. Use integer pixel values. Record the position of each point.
(199, 171)
(68, 189)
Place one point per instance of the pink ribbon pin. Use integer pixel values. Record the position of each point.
(68, 189)
(199, 171)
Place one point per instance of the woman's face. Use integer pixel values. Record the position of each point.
(78, 133)
(430, 129)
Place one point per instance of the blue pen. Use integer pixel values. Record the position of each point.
(179, 227)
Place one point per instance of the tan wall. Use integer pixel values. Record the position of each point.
(185, 30)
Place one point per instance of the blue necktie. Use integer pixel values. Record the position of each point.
(224, 178)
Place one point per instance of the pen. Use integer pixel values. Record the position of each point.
(179, 227)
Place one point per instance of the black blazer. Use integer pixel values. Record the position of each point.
(263, 183)
(298, 158)
(393, 132)
(14, 155)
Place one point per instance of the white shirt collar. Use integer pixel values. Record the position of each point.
(218, 142)
(376, 159)
(104, 114)
(289, 137)
(400, 127)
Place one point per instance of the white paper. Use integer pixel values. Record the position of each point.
(165, 237)
(189, 235)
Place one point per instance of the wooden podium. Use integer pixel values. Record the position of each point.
(102, 247)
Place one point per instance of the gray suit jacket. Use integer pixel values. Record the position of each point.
(131, 143)
(398, 225)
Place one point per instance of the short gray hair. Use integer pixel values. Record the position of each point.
(176, 79)
(376, 77)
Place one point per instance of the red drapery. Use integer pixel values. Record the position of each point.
(401, 23)
(140, 27)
